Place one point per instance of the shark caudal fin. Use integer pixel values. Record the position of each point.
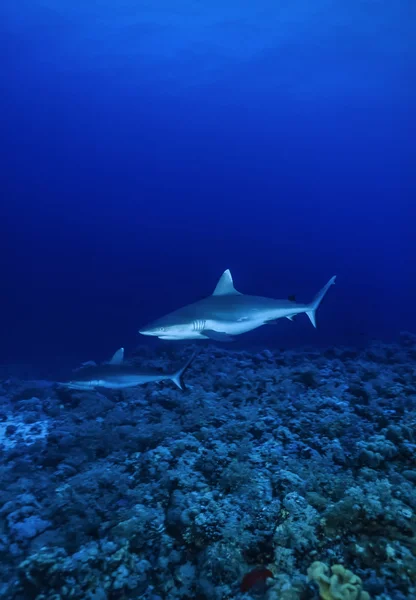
(177, 377)
(313, 306)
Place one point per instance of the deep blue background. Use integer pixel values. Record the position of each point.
(145, 150)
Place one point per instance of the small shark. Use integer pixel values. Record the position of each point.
(228, 312)
(115, 375)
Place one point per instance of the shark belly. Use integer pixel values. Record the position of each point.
(258, 318)
(127, 381)
(184, 335)
(236, 327)
(117, 385)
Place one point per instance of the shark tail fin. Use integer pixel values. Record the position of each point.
(177, 377)
(313, 306)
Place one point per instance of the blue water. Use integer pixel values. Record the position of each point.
(145, 149)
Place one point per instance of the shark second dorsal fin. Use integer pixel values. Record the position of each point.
(225, 286)
(117, 358)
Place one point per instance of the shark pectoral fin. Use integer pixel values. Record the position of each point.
(218, 336)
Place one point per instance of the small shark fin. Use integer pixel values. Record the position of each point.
(275, 321)
(292, 298)
(177, 377)
(225, 286)
(317, 301)
(117, 357)
(218, 336)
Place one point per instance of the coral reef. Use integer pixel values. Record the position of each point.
(337, 583)
(270, 466)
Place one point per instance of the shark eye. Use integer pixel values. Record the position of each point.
(161, 329)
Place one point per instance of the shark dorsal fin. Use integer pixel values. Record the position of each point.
(225, 286)
(117, 358)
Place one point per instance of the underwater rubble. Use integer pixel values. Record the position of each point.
(283, 475)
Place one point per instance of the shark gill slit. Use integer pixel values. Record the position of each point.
(198, 325)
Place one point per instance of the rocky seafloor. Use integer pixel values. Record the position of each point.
(283, 475)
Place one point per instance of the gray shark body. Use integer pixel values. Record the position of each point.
(227, 313)
(115, 375)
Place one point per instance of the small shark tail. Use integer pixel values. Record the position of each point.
(177, 377)
(313, 306)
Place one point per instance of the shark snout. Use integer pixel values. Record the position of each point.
(155, 331)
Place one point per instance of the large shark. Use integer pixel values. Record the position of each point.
(227, 313)
(116, 375)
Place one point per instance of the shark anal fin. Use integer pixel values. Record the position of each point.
(225, 286)
(275, 321)
(218, 336)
